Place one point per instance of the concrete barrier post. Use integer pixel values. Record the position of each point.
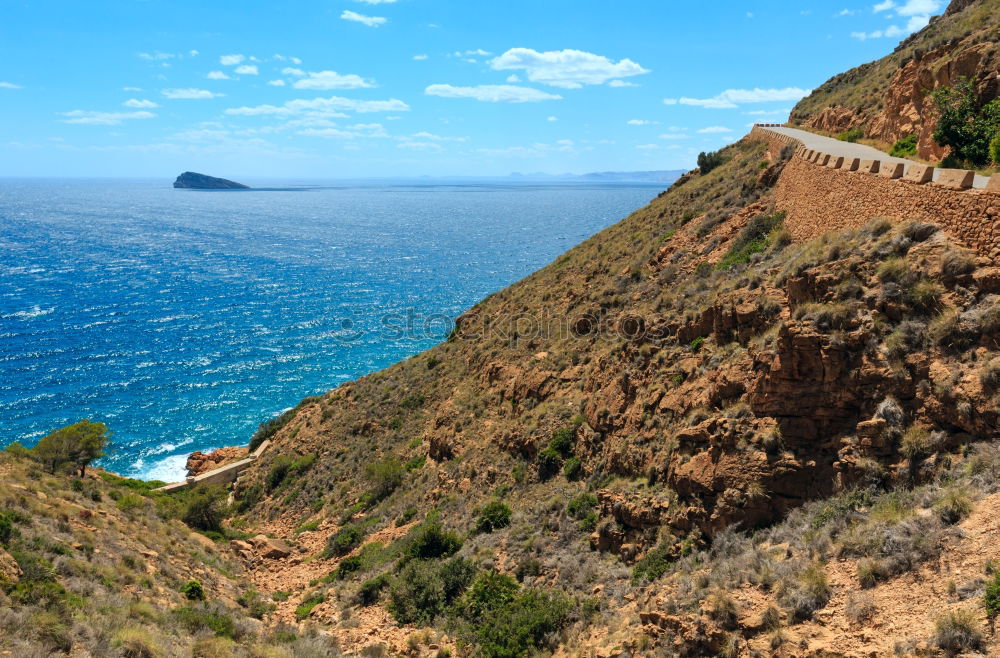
(920, 174)
(823, 159)
(869, 166)
(892, 170)
(993, 185)
(851, 164)
(956, 179)
(835, 161)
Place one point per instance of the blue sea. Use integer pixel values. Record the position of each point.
(182, 319)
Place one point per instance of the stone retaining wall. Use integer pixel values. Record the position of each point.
(822, 193)
(222, 475)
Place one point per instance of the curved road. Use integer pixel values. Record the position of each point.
(849, 150)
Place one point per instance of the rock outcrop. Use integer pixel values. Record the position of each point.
(201, 462)
(193, 181)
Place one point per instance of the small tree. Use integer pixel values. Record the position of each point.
(77, 444)
(966, 125)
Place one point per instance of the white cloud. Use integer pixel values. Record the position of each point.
(86, 117)
(621, 83)
(764, 113)
(552, 119)
(420, 146)
(359, 130)
(419, 58)
(290, 71)
(190, 94)
(714, 130)
(131, 88)
(641, 122)
(569, 69)
(332, 80)
(513, 78)
(845, 12)
(918, 7)
(247, 69)
(884, 6)
(648, 147)
(369, 21)
(193, 53)
(276, 83)
(376, 2)
(894, 31)
(144, 104)
(231, 60)
(437, 138)
(673, 135)
(732, 98)
(492, 93)
(217, 75)
(9, 85)
(331, 106)
(157, 56)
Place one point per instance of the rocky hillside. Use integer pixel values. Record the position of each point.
(100, 566)
(888, 97)
(598, 435)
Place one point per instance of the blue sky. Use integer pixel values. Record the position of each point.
(359, 88)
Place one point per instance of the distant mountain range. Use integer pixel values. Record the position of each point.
(667, 176)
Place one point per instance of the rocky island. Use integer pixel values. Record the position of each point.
(190, 180)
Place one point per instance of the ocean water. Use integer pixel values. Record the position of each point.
(183, 319)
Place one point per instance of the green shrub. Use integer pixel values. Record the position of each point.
(199, 619)
(255, 604)
(852, 134)
(129, 502)
(7, 530)
(345, 540)
(958, 631)
(280, 467)
(991, 597)
(193, 590)
(925, 295)
(709, 161)
(916, 443)
(894, 269)
(494, 516)
(549, 463)
(580, 506)
(205, 509)
(755, 237)
(653, 564)
(489, 591)
(905, 147)
(529, 567)
(995, 149)
(572, 468)
(563, 440)
(965, 124)
(305, 608)
(521, 625)
(135, 642)
(371, 590)
(423, 589)
(954, 506)
(269, 428)
(348, 566)
(430, 540)
(385, 476)
(696, 344)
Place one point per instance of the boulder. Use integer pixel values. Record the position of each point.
(271, 548)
